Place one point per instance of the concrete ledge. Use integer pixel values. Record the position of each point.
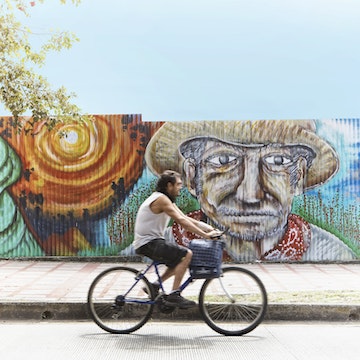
(275, 312)
(309, 312)
(43, 311)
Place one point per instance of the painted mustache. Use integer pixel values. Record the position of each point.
(225, 211)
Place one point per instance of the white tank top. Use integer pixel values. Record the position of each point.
(148, 225)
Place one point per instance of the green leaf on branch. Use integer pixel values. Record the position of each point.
(23, 91)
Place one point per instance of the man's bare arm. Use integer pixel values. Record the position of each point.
(163, 204)
(201, 224)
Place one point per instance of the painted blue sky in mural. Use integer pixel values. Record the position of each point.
(208, 59)
(343, 135)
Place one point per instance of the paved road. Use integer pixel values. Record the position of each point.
(175, 340)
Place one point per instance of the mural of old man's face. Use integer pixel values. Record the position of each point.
(245, 175)
(246, 189)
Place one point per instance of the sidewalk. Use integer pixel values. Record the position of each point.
(57, 289)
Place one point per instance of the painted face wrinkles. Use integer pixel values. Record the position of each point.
(247, 189)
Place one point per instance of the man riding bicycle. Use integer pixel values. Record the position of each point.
(151, 222)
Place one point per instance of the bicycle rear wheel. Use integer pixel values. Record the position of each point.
(235, 303)
(119, 302)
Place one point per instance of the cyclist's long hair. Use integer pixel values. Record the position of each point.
(168, 176)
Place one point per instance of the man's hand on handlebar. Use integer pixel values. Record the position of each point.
(214, 234)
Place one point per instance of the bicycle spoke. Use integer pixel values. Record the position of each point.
(119, 302)
(235, 303)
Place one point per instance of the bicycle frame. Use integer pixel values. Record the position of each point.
(143, 273)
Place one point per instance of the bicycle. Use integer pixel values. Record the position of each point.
(121, 299)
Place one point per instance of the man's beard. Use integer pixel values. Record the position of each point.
(172, 198)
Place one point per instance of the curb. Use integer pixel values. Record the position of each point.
(275, 312)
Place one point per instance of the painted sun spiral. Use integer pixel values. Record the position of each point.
(83, 171)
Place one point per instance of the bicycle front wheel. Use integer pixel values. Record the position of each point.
(235, 303)
(119, 301)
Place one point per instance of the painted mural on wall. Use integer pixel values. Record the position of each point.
(245, 176)
(57, 192)
(283, 190)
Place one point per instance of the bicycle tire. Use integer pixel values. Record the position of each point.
(235, 303)
(117, 303)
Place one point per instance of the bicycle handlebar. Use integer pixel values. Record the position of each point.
(220, 235)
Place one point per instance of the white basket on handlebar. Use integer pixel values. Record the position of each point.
(207, 258)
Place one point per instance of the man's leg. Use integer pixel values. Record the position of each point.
(169, 272)
(180, 269)
(174, 298)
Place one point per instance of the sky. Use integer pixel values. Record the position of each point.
(208, 59)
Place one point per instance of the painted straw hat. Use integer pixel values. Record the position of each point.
(162, 152)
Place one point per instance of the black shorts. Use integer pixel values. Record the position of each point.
(163, 251)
